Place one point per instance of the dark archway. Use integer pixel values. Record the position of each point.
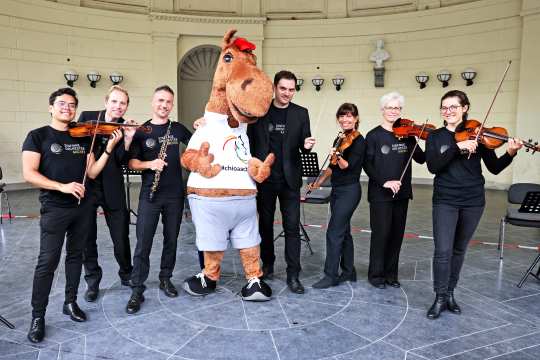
(195, 73)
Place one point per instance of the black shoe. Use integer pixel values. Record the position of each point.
(134, 303)
(347, 277)
(37, 330)
(268, 272)
(74, 312)
(168, 288)
(199, 285)
(295, 285)
(451, 304)
(91, 295)
(256, 290)
(439, 305)
(393, 283)
(378, 285)
(325, 283)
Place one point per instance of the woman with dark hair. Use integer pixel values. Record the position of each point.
(344, 172)
(458, 195)
(388, 193)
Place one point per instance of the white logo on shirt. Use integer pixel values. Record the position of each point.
(56, 148)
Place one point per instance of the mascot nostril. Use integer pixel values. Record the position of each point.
(221, 186)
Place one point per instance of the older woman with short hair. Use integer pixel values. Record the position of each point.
(386, 158)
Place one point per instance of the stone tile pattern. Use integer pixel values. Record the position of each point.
(350, 321)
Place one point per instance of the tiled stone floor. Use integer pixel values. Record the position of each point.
(351, 321)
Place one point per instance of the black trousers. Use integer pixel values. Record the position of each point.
(289, 202)
(387, 220)
(57, 223)
(453, 228)
(118, 224)
(171, 210)
(344, 200)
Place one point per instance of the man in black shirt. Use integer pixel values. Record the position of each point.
(284, 131)
(162, 192)
(109, 193)
(55, 162)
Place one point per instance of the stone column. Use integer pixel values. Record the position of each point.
(526, 167)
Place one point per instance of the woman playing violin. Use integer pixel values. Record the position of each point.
(458, 195)
(344, 172)
(389, 190)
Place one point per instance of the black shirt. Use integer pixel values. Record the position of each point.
(276, 129)
(458, 179)
(116, 159)
(63, 159)
(146, 147)
(354, 155)
(386, 157)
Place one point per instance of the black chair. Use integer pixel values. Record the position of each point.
(4, 197)
(310, 171)
(516, 195)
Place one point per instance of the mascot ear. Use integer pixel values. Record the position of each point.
(227, 38)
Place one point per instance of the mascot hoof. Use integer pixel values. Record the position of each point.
(199, 285)
(256, 290)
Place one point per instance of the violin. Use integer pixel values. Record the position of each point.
(343, 141)
(90, 128)
(404, 128)
(491, 138)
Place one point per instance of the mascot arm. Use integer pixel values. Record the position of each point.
(200, 161)
(260, 170)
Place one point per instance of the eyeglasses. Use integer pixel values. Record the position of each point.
(388, 108)
(450, 108)
(62, 104)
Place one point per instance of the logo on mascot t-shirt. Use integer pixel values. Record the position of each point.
(238, 145)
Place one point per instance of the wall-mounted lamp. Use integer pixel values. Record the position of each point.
(71, 76)
(317, 81)
(93, 77)
(444, 76)
(338, 81)
(468, 75)
(422, 78)
(299, 83)
(116, 77)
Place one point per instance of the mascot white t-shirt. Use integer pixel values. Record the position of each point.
(230, 147)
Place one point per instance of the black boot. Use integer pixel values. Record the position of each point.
(37, 330)
(439, 305)
(168, 288)
(452, 304)
(74, 312)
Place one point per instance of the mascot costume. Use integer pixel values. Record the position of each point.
(221, 187)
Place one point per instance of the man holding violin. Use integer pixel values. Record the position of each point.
(58, 163)
(109, 193)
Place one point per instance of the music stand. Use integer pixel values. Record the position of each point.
(7, 323)
(127, 171)
(310, 169)
(531, 203)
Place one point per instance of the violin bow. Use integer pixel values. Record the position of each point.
(91, 149)
(492, 102)
(335, 145)
(412, 153)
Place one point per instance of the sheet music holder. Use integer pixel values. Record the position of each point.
(310, 164)
(531, 203)
(127, 172)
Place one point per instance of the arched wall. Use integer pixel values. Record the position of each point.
(38, 36)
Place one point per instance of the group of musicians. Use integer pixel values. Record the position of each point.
(59, 163)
